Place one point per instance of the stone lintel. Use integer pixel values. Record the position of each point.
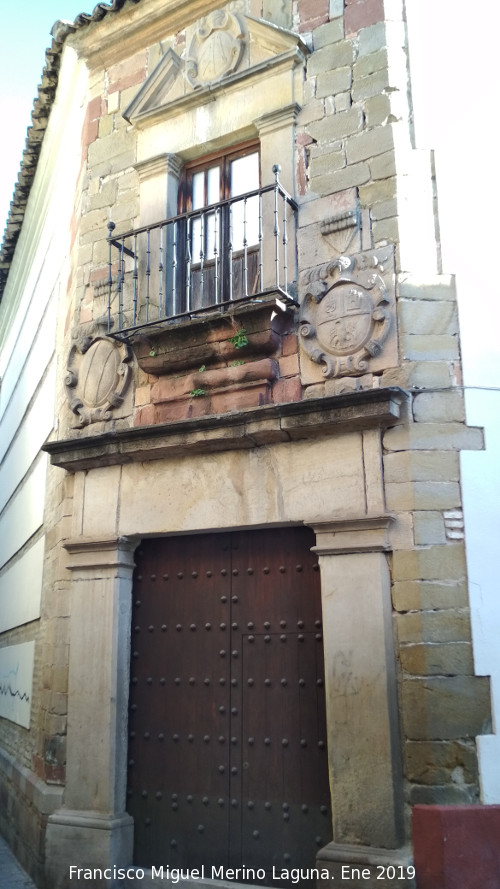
(352, 867)
(333, 415)
(366, 534)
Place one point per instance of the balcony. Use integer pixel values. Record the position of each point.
(203, 261)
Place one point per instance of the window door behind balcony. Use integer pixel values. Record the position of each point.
(221, 258)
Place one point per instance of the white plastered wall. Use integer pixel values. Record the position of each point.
(28, 318)
(468, 195)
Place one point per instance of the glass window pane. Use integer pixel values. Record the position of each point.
(213, 187)
(245, 223)
(196, 239)
(198, 190)
(245, 174)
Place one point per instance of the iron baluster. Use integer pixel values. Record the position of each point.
(121, 279)
(276, 171)
(202, 257)
(261, 254)
(245, 248)
(174, 272)
(216, 257)
(135, 279)
(230, 251)
(111, 227)
(148, 270)
(188, 265)
(285, 242)
(160, 273)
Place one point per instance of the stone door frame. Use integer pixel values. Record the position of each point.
(92, 829)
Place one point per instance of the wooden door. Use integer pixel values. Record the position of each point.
(227, 741)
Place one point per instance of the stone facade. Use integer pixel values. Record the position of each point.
(338, 407)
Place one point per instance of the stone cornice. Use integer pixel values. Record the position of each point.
(256, 427)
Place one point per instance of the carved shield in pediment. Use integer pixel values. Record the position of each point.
(216, 48)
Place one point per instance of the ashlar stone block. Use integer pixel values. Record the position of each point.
(377, 110)
(440, 659)
(446, 707)
(423, 495)
(431, 287)
(355, 174)
(439, 406)
(430, 436)
(436, 762)
(370, 143)
(321, 168)
(415, 595)
(436, 317)
(331, 32)
(326, 59)
(444, 795)
(332, 82)
(445, 625)
(383, 166)
(430, 563)
(368, 64)
(372, 39)
(434, 347)
(428, 527)
(419, 375)
(337, 126)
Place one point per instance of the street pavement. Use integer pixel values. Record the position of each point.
(12, 876)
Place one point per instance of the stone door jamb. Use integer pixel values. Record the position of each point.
(92, 828)
(360, 678)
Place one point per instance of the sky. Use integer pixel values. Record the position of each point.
(454, 61)
(24, 37)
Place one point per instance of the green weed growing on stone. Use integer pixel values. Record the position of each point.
(239, 340)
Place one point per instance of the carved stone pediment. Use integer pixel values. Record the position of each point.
(163, 85)
(347, 316)
(97, 377)
(222, 48)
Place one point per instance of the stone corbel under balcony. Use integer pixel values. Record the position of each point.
(249, 332)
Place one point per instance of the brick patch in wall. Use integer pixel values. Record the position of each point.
(289, 389)
(362, 14)
(313, 13)
(130, 72)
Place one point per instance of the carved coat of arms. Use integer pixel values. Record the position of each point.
(346, 313)
(96, 378)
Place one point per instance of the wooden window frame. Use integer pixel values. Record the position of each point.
(209, 160)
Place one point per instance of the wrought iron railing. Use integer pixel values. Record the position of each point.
(239, 248)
